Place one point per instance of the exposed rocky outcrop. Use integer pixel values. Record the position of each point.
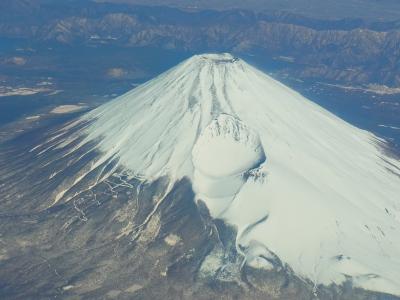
(125, 239)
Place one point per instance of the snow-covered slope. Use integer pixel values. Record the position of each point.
(296, 180)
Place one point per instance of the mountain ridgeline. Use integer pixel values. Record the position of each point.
(356, 51)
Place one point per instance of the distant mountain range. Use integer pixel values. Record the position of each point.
(356, 51)
(331, 9)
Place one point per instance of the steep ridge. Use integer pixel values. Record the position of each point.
(297, 182)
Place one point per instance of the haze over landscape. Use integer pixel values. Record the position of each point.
(199, 149)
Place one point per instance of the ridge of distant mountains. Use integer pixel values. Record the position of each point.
(328, 9)
(359, 51)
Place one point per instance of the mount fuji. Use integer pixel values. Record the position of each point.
(302, 190)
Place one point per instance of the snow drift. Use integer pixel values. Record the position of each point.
(297, 181)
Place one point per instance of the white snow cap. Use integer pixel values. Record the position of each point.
(296, 180)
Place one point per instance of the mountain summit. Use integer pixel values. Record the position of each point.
(292, 201)
(298, 182)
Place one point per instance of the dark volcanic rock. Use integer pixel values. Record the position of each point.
(111, 237)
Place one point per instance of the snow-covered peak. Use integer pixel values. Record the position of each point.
(294, 179)
(213, 58)
(210, 60)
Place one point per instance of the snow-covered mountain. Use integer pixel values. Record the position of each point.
(299, 183)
